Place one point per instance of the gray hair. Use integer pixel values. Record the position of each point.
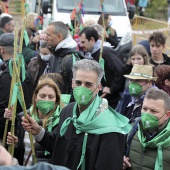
(157, 94)
(60, 28)
(88, 65)
(99, 29)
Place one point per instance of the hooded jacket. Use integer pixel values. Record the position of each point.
(62, 62)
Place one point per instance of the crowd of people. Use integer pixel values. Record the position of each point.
(85, 108)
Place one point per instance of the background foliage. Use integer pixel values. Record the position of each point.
(156, 9)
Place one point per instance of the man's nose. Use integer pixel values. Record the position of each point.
(83, 85)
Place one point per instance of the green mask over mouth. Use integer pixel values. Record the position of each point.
(82, 95)
(45, 106)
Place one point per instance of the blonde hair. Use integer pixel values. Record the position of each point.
(50, 83)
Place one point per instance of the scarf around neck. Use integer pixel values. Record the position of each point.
(67, 43)
(52, 121)
(96, 47)
(97, 119)
(162, 140)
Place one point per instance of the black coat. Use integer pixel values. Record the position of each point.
(103, 152)
(5, 84)
(114, 70)
(64, 67)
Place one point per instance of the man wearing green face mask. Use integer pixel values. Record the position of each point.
(150, 146)
(90, 134)
(140, 81)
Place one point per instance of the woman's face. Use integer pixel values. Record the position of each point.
(109, 21)
(46, 93)
(137, 59)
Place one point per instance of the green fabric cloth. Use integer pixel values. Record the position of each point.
(52, 121)
(1, 32)
(162, 140)
(28, 53)
(96, 120)
(107, 121)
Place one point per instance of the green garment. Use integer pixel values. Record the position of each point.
(28, 53)
(52, 121)
(96, 119)
(162, 140)
(1, 32)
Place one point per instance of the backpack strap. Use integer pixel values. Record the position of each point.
(132, 133)
(75, 58)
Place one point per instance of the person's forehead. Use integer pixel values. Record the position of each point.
(86, 75)
(155, 43)
(83, 36)
(50, 29)
(152, 103)
(44, 50)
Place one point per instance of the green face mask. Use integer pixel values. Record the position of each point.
(45, 106)
(135, 89)
(82, 95)
(149, 121)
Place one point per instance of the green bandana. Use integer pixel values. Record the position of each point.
(96, 120)
(65, 98)
(162, 140)
(108, 31)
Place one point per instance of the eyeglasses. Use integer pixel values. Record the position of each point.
(87, 84)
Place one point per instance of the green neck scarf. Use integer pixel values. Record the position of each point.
(162, 140)
(96, 119)
(51, 122)
(108, 31)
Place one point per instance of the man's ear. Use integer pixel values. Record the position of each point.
(98, 87)
(166, 82)
(167, 115)
(60, 36)
(72, 84)
(92, 39)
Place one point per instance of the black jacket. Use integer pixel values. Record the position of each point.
(113, 40)
(103, 152)
(36, 68)
(59, 63)
(166, 60)
(114, 70)
(5, 84)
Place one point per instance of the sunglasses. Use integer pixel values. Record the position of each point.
(87, 84)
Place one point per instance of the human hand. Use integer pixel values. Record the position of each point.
(8, 113)
(126, 162)
(103, 95)
(36, 39)
(11, 139)
(106, 90)
(30, 125)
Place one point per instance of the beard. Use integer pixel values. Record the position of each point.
(51, 48)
